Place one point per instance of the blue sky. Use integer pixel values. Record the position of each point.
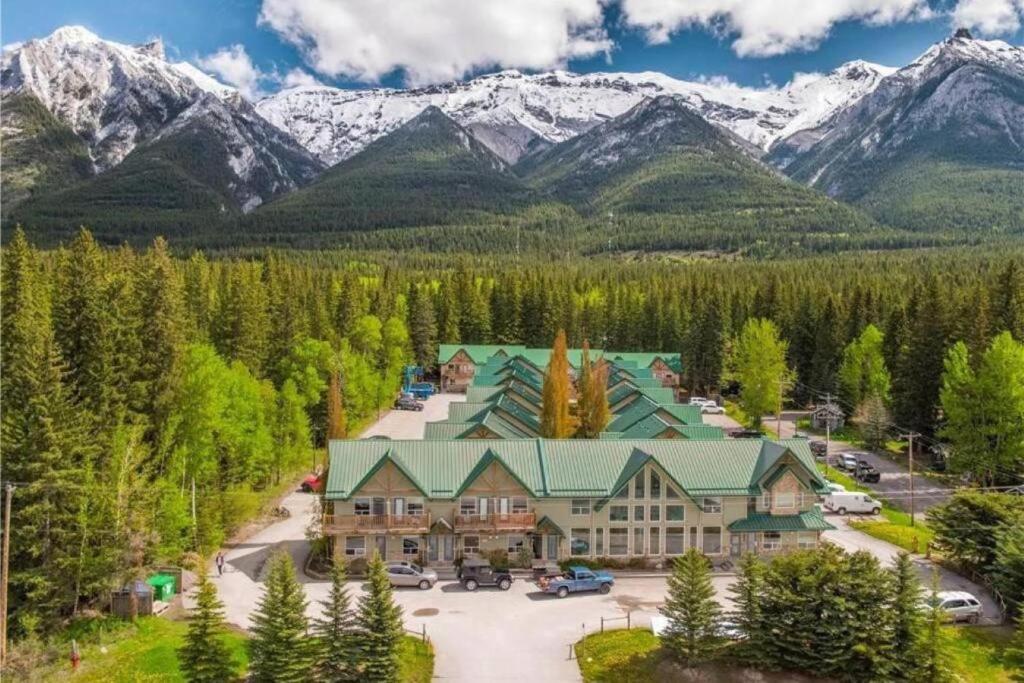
(258, 43)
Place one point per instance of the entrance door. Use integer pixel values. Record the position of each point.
(380, 506)
(441, 548)
(448, 546)
(538, 546)
(735, 546)
(552, 547)
(382, 546)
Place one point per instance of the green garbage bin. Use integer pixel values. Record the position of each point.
(163, 586)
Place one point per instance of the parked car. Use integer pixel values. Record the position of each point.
(834, 487)
(577, 579)
(407, 403)
(866, 473)
(712, 408)
(958, 605)
(697, 400)
(313, 483)
(938, 455)
(852, 501)
(819, 449)
(411, 574)
(745, 434)
(475, 573)
(847, 461)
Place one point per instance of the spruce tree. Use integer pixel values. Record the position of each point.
(279, 648)
(933, 659)
(555, 420)
(906, 616)
(338, 655)
(691, 636)
(748, 615)
(379, 621)
(205, 657)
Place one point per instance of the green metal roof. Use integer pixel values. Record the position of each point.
(546, 522)
(652, 426)
(634, 412)
(690, 415)
(478, 353)
(812, 520)
(447, 430)
(568, 467)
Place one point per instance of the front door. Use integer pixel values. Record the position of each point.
(448, 547)
(382, 546)
(441, 548)
(552, 547)
(538, 546)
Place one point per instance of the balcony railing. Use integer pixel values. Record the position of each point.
(509, 521)
(372, 523)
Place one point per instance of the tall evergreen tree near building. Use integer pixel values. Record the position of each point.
(337, 422)
(1008, 568)
(692, 610)
(760, 360)
(205, 657)
(1009, 300)
(907, 618)
(917, 379)
(828, 347)
(933, 664)
(280, 648)
(379, 621)
(749, 614)
(702, 352)
(338, 653)
(447, 313)
(422, 325)
(555, 420)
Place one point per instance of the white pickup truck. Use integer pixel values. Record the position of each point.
(852, 501)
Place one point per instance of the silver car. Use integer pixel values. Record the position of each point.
(411, 574)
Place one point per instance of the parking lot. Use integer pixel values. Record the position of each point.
(409, 424)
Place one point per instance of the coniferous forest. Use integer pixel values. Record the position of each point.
(152, 397)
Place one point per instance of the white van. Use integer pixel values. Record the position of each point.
(852, 501)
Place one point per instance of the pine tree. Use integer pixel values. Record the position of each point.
(907, 618)
(279, 648)
(380, 626)
(205, 657)
(918, 376)
(748, 614)
(422, 327)
(1009, 300)
(337, 422)
(1008, 569)
(933, 659)
(692, 610)
(555, 420)
(338, 656)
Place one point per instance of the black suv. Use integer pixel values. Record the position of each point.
(866, 473)
(475, 573)
(408, 403)
(819, 449)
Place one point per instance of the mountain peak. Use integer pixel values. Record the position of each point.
(73, 34)
(154, 48)
(963, 34)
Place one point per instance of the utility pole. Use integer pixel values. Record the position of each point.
(828, 431)
(910, 453)
(8, 494)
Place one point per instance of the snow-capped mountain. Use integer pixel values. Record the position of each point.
(513, 113)
(949, 127)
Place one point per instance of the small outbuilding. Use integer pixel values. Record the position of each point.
(828, 415)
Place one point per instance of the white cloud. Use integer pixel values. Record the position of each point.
(765, 27)
(234, 67)
(437, 40)
(992, 17)
(297, 77)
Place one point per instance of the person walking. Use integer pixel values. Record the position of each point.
(220, 564)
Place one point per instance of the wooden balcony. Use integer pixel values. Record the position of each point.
(335, 524)
(510, 521)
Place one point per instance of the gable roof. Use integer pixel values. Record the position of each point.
(478, 353)
(811, 520)
(592, 468)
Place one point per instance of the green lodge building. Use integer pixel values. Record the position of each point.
(438, 500)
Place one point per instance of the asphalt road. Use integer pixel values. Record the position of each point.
(894, 484)
(408, 424)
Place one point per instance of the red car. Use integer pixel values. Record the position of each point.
(313, 483)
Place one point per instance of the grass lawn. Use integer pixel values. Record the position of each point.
(415, 660)
(894, 527)
(977, 656)
(979, 653)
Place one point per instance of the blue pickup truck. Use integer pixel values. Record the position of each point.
(577, 580)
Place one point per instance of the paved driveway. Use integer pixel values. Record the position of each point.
(895, 479)
(408, 424)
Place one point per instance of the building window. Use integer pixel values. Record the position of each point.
(638, 540)
(638, 486)
(579, 542)
(355, 545)
(599, 542)
(671, 492)
(470, 545)
(638, 513)
(675, 513)
(772, 540)
(580, 506)
(766, 500)
(655, 485)
(807, 540)
(712, 504)
(467, 506)
(618, 541)
(785, 500)
(675, 540)
(693, 537)
(654, 541)
(712, 540)
(414, 507)
(519, 505)
(516, 543)
(655, 513)
(361, 506)
(618, 513)
(410, 545)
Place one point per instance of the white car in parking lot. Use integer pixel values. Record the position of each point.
(706, 405)
(958, 605)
